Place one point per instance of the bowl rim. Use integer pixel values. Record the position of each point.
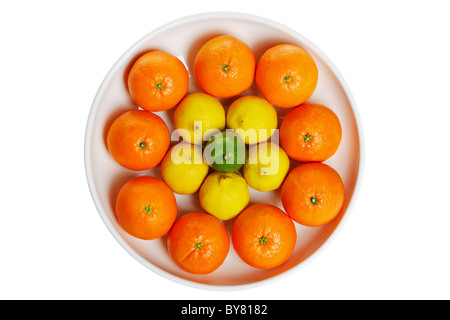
(126, 57)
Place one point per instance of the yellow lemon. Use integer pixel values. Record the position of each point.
(253, 118)
(224, 195)
(183, 168)
(266, 166)
(197, 115)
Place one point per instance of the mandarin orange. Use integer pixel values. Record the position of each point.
(264, 236)
(310, 133)
(138, 140)
(286, 75)
(224, 67)
(313, 194)
(198, 243)
(146, 208)
(158, 81)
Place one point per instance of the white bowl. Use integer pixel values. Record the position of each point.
(183, 38)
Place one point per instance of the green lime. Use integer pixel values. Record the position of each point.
(225, 152)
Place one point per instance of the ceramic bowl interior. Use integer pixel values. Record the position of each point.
(183, 38)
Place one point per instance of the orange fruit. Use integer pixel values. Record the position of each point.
(198, 243)
(224, 67)
(264, 236)
(138, 140)
(158, 81)
(146, 208)
(286, 75)
(310, 133)
(313, 194)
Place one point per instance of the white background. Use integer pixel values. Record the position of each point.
(395, 57)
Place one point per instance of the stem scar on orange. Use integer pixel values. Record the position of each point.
(224, 67)
(138, 140)
(146, 208)
(310, 133)
(286, 75)
(264, 236)
(313, 194)
(158, 81)
(198, 243)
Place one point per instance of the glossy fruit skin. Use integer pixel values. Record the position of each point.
(146, 208)
(313, 194)
(231, 152)
(310, 133)
(266, 172)
(198, 243)
(264, 236)
(252, 113)
(203, 108)
(185, 177)
(224, 67)
(286, 75)
(158, 81)
(224, 195)
(138, 140)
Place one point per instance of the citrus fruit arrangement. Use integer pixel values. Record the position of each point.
(222, 150)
